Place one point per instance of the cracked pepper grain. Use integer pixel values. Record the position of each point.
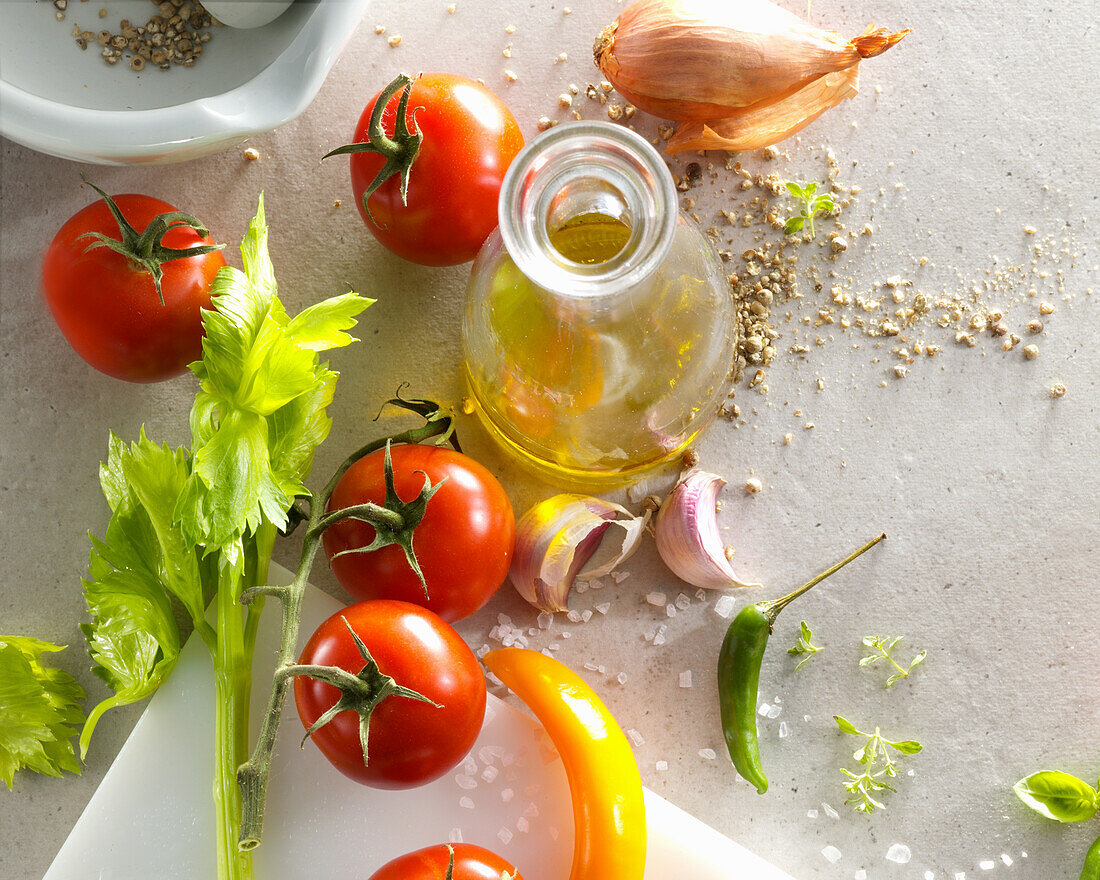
(175, 35)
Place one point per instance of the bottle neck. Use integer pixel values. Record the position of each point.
(587, 170)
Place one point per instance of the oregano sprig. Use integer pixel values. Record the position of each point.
(812, 205)
(804, 646)
(878, 766)
(881, 649)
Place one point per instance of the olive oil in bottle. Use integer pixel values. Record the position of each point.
(599, 331)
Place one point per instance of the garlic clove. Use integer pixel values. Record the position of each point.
(764, 125)
(686, 532)
(555, 539)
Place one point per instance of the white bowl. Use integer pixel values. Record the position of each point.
(60, 100)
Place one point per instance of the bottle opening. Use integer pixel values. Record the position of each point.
(588, 209)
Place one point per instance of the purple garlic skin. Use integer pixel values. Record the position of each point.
(687, 536)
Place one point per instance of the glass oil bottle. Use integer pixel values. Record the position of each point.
(600, 331)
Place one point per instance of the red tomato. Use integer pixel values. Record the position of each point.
(463, 544)
(470, 139)
(107, 307)
(471, 863)
(410, 742)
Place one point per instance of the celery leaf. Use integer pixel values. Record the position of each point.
(39, 707)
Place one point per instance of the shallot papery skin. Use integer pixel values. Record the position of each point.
(753, 127)
(705, 60)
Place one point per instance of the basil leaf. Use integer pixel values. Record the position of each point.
(1058, 796)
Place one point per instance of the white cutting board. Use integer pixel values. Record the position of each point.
(153, 816)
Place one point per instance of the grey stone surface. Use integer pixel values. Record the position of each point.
(985, 124)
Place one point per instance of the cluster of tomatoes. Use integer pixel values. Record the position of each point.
(127, 279)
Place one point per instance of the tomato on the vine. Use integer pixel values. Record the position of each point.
(111, 306)
(463, 544)
(428, 189)
(410, 740)
(471, 862)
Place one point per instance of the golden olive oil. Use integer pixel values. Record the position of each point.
(588, 388)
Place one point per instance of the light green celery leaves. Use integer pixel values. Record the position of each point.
(182, 520)
(261, 412)
(142, 560)
(39, 707)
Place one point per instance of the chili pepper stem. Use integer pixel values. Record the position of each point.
(771, 609)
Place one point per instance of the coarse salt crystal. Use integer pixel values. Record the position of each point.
(489, 774)
(670, 610)
(811, 814)
(545, 620)
(553, 832)
(581, 586)
(708, 754)
(553, 646)
(829, 811)
(467, 803)
(586, 615)
(635, 737)
(455, 835)
(469, 765)
(656, 599)
(784, 731)
(685, 678)
(505, 836)
(987, 864)
(522, 825)
(595, 584)
(774, 712)
(832, 854)
(659, 638)
(482, 651)
(683, 602)
(466, 782)
(506, 795)
(960, 875)
(591, 667)
(899, 853)
(701, 594)
(574, 616)
(661, 765)
(1006, 858)
(619, 576)
(603, 607)
(861, 874)
(621, 678)
(724, 606)
(764, 709)
(928, 875)
(531, 811)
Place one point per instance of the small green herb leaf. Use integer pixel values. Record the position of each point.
(881, 649)
(846, 726)
(874, 757)
(1058, 796)
(812, 205)
(804, 646)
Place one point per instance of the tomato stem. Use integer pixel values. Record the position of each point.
(399, 152)
(146, 249)
(252, 776)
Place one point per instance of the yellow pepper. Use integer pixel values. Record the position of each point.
(604, 782)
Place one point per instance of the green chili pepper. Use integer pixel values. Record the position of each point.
(739, 674)
(1091, 870)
